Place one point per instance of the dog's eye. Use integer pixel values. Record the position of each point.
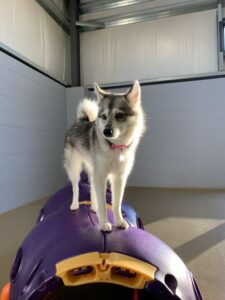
(103, 117)
(119, 116)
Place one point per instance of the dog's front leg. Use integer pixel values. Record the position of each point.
(118, 183)
(100, 187)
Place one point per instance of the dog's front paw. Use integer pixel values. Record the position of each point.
(122, 224)
(106, 227)
(74, 206)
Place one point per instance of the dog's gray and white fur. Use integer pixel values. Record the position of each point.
(103, 141)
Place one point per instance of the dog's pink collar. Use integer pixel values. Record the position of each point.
(118, 146)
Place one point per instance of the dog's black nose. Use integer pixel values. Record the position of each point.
(108, 132)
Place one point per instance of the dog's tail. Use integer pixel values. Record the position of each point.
(87, 110)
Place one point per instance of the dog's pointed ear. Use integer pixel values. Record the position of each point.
(100, 93)
(133, 95)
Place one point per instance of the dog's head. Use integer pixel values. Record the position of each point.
(119, 113)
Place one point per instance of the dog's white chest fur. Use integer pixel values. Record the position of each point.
(113, 161)
(121, 157)
(117, 160)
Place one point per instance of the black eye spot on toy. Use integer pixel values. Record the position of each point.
(171, 282)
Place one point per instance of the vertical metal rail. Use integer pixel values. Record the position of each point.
(74, 43)
(220, 36)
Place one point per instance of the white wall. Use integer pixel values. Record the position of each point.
(27, 29)
(180, 45)
(32, 130)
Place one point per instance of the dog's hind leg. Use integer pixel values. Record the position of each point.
(94, 204)
(73, 165)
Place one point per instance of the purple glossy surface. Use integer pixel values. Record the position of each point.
(63, 233)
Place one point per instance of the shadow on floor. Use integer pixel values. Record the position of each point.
(154, 204)
(200, 244)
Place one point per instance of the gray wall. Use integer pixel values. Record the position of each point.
(32, 128)
(184, 145)
(185, 142)
(73, 97)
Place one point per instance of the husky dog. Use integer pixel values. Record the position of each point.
(103, 141)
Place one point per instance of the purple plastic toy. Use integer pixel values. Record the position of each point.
(66, 256)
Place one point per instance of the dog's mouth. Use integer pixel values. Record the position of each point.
(111, 139)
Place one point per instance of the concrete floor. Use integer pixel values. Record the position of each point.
(192, 222)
